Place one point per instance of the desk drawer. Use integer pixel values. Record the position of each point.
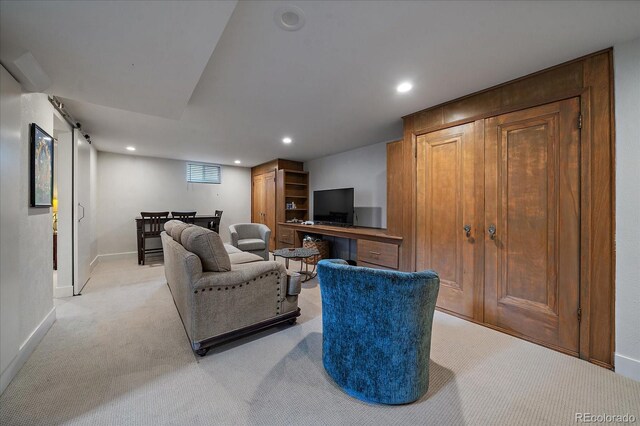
(286, 235)
(382, 254)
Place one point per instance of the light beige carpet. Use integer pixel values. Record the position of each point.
(118, 355)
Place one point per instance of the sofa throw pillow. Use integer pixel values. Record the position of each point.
(176, 231)
(208, 246)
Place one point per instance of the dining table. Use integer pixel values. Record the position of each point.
(199, 220)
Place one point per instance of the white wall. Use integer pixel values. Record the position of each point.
(26, 235)
(129, 184)
(10, 157)
(627, 98)
(364, 169)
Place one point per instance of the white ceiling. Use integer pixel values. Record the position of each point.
(330, 86)
(137, 56)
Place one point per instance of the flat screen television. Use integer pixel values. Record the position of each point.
(333, 206)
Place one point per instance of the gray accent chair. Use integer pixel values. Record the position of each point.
(222, 293)
(251, 237)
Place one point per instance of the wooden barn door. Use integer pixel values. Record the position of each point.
(532, 224)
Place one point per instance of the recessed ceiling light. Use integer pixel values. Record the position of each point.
(404, 87)
(237, 161)
(131, 148)
(289, 18)
(287, 140)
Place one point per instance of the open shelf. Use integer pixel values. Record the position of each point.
(293, 190)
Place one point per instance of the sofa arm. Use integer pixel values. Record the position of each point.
(234, 236)
(264, 231)
(265, 234)
(294, 283)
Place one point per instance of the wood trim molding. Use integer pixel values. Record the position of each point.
(542, 72)
(560, 97)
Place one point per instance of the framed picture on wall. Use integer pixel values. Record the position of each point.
(41, 167)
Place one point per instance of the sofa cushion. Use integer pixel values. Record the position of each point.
(177, 229)
(231, 249)
(209, 248)
(249, 244)
(168, 225)
(242, 257)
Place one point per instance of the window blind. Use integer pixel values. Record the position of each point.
(203, 173)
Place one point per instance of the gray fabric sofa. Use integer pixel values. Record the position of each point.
(222, 293)
(251, 237)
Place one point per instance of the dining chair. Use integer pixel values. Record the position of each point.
(152, 226)
(186, 217)
(214, 224)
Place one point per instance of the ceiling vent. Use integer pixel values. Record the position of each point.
(289, 18)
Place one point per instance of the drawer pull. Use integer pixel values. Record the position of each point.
(374, 252)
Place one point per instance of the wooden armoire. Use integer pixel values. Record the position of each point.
(273, 185)
(511, 201)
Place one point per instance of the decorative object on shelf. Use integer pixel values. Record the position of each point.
(40, 167)
(291, 205)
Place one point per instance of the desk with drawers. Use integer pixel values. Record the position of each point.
(376, 248)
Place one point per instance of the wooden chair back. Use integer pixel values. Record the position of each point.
(214, 224)
(153, 223)
(187, 217)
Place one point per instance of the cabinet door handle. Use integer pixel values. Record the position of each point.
(467, 230)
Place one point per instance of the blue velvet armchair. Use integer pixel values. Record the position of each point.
(376, 327)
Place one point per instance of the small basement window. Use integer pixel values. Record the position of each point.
(203, 173)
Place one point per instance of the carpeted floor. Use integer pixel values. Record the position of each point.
(118, 355)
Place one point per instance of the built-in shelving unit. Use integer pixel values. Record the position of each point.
(274, 184)
(293, 197)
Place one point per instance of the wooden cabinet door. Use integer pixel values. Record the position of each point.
(270, 205)
(257, 203)
(532, 200)
(449, 170)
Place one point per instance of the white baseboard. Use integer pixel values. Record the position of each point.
(26, 349)
(113, 256)
(66, 291)
(627, 366)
